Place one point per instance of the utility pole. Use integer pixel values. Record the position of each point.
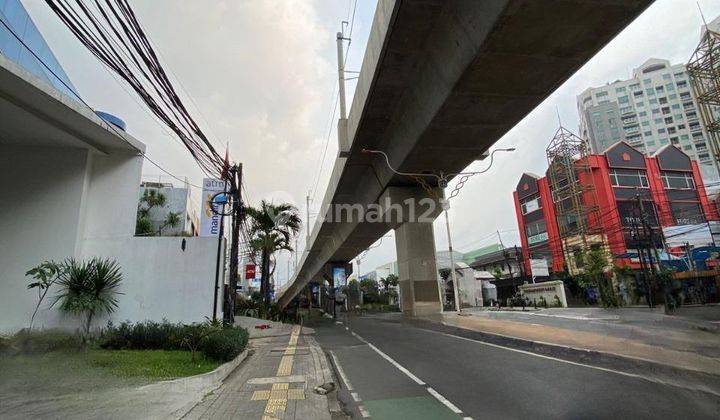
(236, 211)
(221, 234)
(307, 220)
(341, 75)
(456, 294)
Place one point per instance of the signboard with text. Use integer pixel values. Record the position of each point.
(539, 267)
(209, 221)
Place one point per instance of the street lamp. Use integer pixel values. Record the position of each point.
(442, 181)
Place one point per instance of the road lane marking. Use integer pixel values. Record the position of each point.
(341, 372)
(355, 396)
(363, 411)
(392, 361)
(618, 372)
(417, 380)
(444, 400)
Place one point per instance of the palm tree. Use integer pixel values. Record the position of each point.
(89, 288)
(271, 228)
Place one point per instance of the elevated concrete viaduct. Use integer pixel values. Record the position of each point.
(441, 81)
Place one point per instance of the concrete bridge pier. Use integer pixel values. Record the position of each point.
(412, 211)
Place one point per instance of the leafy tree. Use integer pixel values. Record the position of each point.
(45, 275)
(390, 281)
(370, 291)
(271, 229)
(153, 198)
(497, 273)
(595, 265)
(89, 288)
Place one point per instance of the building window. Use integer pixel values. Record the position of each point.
(628, 178)
(681, 84)
(687, 213)
(530, 205)
(678, 180)
(536, 228)
(601, 94)
(619, 90)
(650, 91)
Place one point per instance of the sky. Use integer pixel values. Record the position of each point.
(260, 77)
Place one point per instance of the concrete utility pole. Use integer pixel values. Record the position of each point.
(456, 294)
(341, 75)
(307, 220)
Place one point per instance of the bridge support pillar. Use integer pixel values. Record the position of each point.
(418, 274)
(412, 210)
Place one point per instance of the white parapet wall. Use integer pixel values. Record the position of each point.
(551, 291)
(160, 279)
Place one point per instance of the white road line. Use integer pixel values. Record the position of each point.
(363, 411)
(355, 396)
(340, 370)
(444, 400)
(618, 372)
(393, 362)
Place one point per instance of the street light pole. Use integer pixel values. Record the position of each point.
(442, 180)
(456, 294)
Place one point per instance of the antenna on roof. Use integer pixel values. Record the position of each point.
(701, 13)
(557, 110)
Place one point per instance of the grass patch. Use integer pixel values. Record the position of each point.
(151, 364)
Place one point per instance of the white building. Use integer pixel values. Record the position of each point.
(655, 107)
(68, 187)
(178, 200)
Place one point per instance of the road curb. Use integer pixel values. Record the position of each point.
(212, 380)
(686, 378)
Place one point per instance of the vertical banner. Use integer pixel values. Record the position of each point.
(209, 221)
(339, 277)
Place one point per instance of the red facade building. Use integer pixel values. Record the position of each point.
(666, 189)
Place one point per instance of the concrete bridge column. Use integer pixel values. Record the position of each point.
(412, 210)
(417, 269)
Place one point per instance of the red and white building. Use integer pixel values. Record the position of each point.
(667, 186)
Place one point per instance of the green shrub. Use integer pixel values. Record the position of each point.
(225, 344)
(143, 335)
(212, 340)
(44, 341)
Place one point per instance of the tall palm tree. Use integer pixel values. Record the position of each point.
(271, 228)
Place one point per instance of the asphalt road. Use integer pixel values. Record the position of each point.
(484, 381)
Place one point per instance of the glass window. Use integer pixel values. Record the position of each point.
(619, 90)
(678, 180)
(623, 100)
(660, 89)
(672, 96)
(529, 205)
(667, 77)
(628, 178)
(669, 87)
(687, 213)
(647, 81)
(601, 94)
(536, 228)
(650, 91)
(681, 84)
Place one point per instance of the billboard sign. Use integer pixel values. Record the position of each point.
(209, 221)
(339, 277)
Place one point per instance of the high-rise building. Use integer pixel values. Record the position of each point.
(654, 108)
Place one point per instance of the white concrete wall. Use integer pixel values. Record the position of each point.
(160, 280)
(40, 214)
(111, 198)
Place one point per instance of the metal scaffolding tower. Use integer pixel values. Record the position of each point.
(573, 190)
(704, 71)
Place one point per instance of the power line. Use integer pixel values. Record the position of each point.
(110, 125)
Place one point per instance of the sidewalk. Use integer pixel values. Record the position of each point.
(637, 334)
(276, 381)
